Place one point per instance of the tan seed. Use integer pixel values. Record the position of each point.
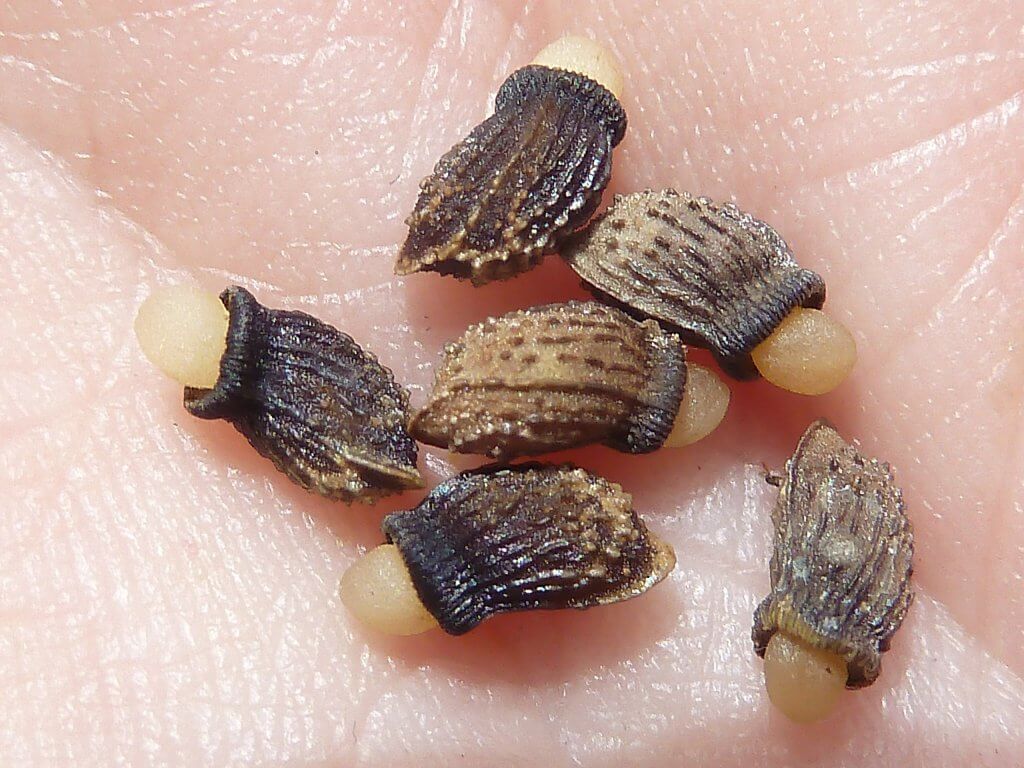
(718, 277)
(842, 559)
(808, 353)
(555, 377)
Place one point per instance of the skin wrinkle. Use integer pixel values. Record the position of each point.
(952, 296)
(427, 89)
(1014, 464)
(987, 255)
(451, 707)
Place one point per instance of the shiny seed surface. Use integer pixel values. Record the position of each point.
(309, 398)
(520, 182)
(805, 683)
(522, 538)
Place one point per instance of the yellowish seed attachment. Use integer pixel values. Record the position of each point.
(809, 353)
(378, 591)
(705, 401)
(804, 683)
(183, 331)
(583, 55)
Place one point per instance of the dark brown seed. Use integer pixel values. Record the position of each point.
(555, 377)
(843, 555)
(717, 276)
(518, 538)
(309, 399)
(523, 179)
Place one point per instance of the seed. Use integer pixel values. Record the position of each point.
(507, 539)
(555, 377)
(840, 574)
(305, 395)
(721, 279)
(526, 177)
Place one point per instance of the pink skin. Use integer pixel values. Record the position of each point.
(167, 599)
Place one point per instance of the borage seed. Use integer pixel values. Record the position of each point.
(505, 539)
(527, 176)
(564, 375)
(304, 394)
(840, 575)
(722, 280)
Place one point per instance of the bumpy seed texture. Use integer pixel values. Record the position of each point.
(717, 276)
(555, 377)
(522, 180)
(523, 537)
(309, 399)
(841, 567)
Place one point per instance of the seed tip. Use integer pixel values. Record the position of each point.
(803, 683)
(809, 353)
(182, 330)
(705, 401)
(587, 57)
(378, 591)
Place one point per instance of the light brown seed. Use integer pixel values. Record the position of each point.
(522, 538)
(307, 397)
(843, 554)
(717, 276)
(555, 377)
(520, 182)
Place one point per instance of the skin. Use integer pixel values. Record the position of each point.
(167, 599)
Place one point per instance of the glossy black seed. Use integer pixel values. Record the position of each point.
(307, 397)
(520, 182)
(843, 555)
(525, 537)
(717, 276)
(555, 377)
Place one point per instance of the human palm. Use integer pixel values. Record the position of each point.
(166, 598)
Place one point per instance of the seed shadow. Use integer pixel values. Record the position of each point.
(813, 743)
(356, 523)
(539, 647)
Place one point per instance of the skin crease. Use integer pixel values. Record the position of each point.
(167, 599)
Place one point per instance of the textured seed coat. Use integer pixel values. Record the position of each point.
(843, 554)
(520, 182)
(717, 276)
(525, 537)
(307, 397)
(555, 377)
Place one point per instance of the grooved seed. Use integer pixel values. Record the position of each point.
(307, 397)
(504, 539)
(843, 553)
(555, 377)
(718, 277)
(522, 180)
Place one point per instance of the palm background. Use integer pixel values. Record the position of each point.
(167, 599)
